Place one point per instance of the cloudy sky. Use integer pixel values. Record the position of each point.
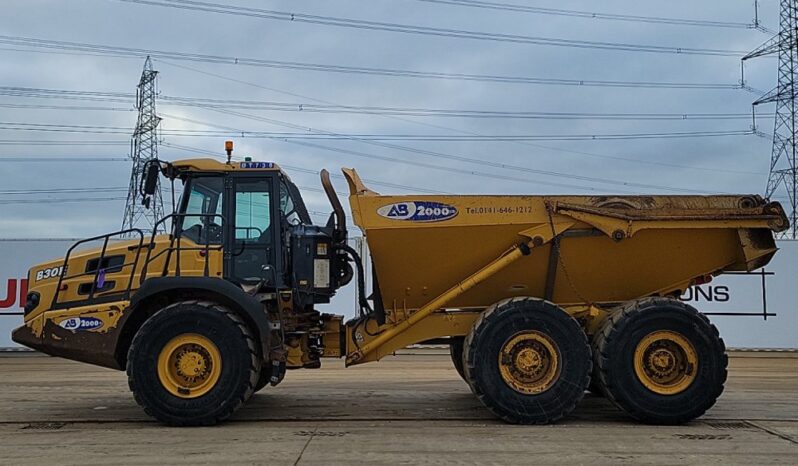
(84, 196)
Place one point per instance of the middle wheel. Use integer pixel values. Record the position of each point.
(527, 360)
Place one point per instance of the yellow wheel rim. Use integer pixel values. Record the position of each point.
(665, 362)
(189, 365)
(529, 362)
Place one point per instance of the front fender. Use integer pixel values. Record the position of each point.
(225, 293)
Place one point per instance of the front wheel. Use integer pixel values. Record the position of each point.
(527, 360)
(192, 363)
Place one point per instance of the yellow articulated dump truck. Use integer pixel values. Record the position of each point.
(540, 298)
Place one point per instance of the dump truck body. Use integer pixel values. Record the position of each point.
(580, 252)
(662, 244)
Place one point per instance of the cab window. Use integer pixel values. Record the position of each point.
(291, 206)
(253, 238)
(253, 211)
(287, 205)
(203, 212)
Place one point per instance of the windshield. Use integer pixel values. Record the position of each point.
(291, 204)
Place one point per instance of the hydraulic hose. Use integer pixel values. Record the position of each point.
(365, 307)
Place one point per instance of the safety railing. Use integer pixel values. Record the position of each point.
(175, 243)
(174, 249)
(99, 270)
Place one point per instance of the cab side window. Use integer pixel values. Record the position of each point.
(254, 229)
(253, 215)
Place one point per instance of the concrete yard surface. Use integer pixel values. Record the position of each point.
(408, 409)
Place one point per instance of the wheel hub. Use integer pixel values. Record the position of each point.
(665, 362)
(192, 363)
(662, 362)
(189, 365)
(529, 362)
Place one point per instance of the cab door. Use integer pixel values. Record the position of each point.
(254, 230)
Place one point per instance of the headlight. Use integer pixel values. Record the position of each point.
(31, 301)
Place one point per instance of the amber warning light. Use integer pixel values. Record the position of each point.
(228, 147)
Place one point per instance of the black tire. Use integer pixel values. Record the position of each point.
(496, 327)
(595, 387)
(615, 353)
(456, 352)
(240, 365)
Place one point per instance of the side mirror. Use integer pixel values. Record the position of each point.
(151, 172)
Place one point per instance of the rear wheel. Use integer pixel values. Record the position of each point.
(527, 360)
(456, 352)
(595, 387)
(192, 363)
(661, 361)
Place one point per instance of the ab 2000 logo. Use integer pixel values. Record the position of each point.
(418, 211)
(81, 323)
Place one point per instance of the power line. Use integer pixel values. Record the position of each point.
(17, 91)
(457, 158)
(49, 127)
(403, 187)
(65, 107)
(42, 142)
(315, 172)
(64, 52)
(425, 30)
(366, 110)
(438, 126)
(96, 49)
(459, 138)
(63, 128)
(576, 152)
(592, 15)
(26, 192)
(60, 200)
(35, 159)
(478, 173)
(437, 112)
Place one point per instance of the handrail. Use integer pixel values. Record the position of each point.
(175, 247)
(176, 237)
(64, 267)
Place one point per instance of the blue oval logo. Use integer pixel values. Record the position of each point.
(81, 323)
(418, 211)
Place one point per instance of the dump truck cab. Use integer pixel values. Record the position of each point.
(254, 213)
(240, 239)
